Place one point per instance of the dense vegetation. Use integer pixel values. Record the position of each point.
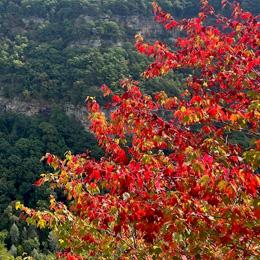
(170, 185)
(65, 49)
(23, 141)
(61, 51)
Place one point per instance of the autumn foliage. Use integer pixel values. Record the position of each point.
(171, 183)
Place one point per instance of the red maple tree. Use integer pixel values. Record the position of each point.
(171, 183)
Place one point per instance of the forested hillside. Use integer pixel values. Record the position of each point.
(58, 52)
(64, 49)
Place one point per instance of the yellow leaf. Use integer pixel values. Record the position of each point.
(41, 223)
(222, 185)
(204, 180)
(183, 109)
(18, 205)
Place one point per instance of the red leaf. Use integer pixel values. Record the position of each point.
(171, 25)
(106, 90)
(196, 99)
(95, 175)
(49, 158)
(116, 99)
(120, 156)
(224, 3)
(246, 15)
(39, 182)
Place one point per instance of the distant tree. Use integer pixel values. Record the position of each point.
(30, 244)
(35, 254)
(32, 232)
(14, 234)
(24, 234)
(251, 5)
(13, 250)
(52, 242)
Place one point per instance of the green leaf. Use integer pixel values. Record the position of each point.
(222, 185)
(204, 180)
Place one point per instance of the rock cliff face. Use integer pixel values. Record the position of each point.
(132, 24)
(31, 107)
(32, 26)
(78, 112)
(16, 105)
(143, 25)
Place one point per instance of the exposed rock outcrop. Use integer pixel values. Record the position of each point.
(31, 107)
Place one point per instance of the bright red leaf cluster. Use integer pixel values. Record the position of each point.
(171, 183)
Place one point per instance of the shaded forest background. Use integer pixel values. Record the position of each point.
(57, 52)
